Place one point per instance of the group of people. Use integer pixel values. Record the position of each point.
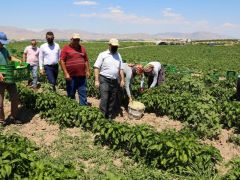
(110, 72)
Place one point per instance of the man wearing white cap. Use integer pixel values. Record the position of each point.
(10, 87)
(108, 72)
(75, 65)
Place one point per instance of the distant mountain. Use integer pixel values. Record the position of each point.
(15, 33)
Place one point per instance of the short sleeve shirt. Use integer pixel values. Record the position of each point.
(109, 64)
(75, 60)
(32, 55)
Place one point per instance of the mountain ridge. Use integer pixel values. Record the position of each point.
(15, 33)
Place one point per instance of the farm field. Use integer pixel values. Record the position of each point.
(203, 108)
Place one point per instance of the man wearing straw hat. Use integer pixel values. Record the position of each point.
(10, 87)
(76, 68)
(108, 72)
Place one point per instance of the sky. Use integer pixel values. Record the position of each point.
(125, 16)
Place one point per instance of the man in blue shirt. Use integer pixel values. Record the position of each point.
(10, 87)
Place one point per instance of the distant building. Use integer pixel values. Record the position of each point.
(173, 42)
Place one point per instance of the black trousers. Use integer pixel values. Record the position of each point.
(238, 89)
(109, 96)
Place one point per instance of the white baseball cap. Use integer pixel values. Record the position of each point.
(75, 36)
(113, 42)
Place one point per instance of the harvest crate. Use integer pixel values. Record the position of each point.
(231, 74)
(15, 72)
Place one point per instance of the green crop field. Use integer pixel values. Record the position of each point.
(196, 57)
(205, 105)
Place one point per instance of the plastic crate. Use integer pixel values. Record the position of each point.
(15, 72)
(231, 74)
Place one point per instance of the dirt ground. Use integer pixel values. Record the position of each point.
(41, 132)
(159, 123)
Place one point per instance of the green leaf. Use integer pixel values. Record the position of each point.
(169, 144)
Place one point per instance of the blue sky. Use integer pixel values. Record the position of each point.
(125, 16)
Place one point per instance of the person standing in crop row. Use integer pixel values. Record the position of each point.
(76, 68)
(49, 56)
(10, 87)
(31, 56)
(109, 75)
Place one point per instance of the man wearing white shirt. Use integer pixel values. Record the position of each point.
(108, 72)
(49, 56)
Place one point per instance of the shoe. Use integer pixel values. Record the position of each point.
(8, 121)
(11, 120)
(34, 88)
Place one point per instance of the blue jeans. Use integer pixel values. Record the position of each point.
(34, 72)
(79, 84)
(52, 73)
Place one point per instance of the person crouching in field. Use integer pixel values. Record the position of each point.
(10, 87)
(154, 71)
(130, 71)
(31, 56)
(108, 72)
(76, 68)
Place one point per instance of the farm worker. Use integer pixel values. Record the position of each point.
(108, 70)
(76, 68)
(155, 73)
(49, 55)
(130, 71)
(31, 56)
(10, 87)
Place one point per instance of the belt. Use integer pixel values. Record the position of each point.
(50, 64)
(108, 79)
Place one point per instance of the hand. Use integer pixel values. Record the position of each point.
(67, 77)
(88, 74)
(97, 84)
(130, 99)
(141, 90)
(1, 77)
(42, 71)
(122, 83)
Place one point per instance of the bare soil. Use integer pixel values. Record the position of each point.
(159, 123)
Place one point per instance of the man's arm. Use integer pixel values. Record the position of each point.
(24, 57)
(63, 66)
(122, 78)
(62, 57)
(127, 86)
(1, 77)
(154, 79)
(96, 76)
(41, 59)
(142, 82)
(87, 64)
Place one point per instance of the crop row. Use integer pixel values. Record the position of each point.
(168, 150)
(19, 160)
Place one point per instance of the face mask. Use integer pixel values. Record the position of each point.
(113, 49)
(50, 41)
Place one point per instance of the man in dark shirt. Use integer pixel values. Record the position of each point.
(75, 65)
